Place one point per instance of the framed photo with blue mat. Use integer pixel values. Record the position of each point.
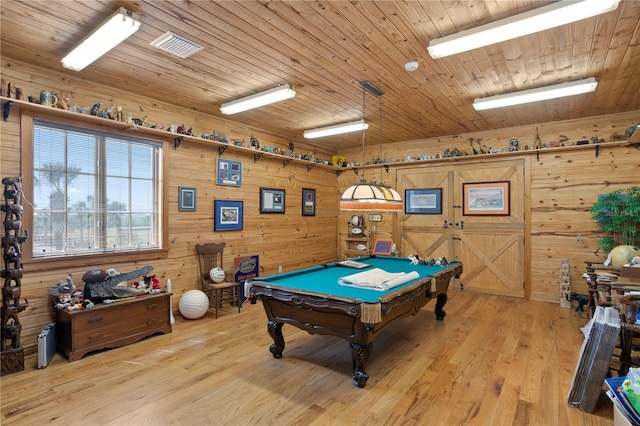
(229, 173)
(186, 198)
(228, 215)
(272, 200)
(423, 201)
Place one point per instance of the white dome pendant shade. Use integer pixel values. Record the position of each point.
(371, 197)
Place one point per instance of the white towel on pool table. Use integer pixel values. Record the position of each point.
(377, 279)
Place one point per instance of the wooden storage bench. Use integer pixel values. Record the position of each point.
(112, 325)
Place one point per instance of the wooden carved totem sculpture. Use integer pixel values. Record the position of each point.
(12, 351)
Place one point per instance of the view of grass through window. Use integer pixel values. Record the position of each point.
(93, 192)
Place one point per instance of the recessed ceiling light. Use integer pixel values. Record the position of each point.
(411, 66)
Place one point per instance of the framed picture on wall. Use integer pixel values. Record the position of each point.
(227, 215)
(423, 201)
(308, 202)
(229, 173)
(486, 199)
(271, 200)
(186, 198)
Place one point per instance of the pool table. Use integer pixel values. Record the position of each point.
(312, 300)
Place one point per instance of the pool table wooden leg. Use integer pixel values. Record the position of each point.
(360, 355)
(275, 331)
(440, 302)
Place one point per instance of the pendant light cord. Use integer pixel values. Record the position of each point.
(380, 128)
(364, 117)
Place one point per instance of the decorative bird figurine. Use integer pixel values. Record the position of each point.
(95, 110)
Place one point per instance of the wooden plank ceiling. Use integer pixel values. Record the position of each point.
(324, 48)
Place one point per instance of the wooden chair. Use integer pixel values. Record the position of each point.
(209, 257)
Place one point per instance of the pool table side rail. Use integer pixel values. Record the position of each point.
(423, 287)
(442, 282)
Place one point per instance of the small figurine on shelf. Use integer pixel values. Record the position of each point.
(106, 113)
(95, 109)
(64, 97)
(140, 121)
(254, 143)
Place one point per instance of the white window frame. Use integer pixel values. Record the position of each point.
(130, 253)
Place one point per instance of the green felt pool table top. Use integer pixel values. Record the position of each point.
(323, 279)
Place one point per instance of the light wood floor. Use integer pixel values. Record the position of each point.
(492, 361)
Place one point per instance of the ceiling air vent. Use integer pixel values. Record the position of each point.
(176, 45)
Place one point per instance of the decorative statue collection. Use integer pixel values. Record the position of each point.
(12, 350)
(62, 100)
(437, 261)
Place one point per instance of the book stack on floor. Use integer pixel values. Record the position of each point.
(595, 358)
(624, 412)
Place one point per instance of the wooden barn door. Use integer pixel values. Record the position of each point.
(490, 247)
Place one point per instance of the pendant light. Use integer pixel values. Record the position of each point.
(370, 196)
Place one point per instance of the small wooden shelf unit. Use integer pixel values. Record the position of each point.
(352, 241)
(112, 325)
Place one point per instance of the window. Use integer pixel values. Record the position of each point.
(93, 192)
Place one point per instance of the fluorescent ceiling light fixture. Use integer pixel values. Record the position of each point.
(540, 19)
(267, 97)
(538, 94)
(108, 35)
(337, 129)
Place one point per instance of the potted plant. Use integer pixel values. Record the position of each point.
(618, 214)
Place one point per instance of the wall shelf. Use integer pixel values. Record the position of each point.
(176, 138)
(352, 241)
(633, 141)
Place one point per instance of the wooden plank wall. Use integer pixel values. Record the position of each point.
(565, 182)
(285, 240)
